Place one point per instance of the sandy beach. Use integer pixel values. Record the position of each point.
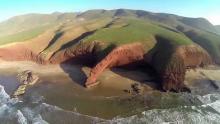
(63, 86)
(113, 82)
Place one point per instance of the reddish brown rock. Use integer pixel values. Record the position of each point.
(171, 68)
(194, 56)
(170, 62)
(19, 52)
(122, 55)
(80, 53)
(190, 56)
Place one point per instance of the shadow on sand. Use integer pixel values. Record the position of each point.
(139, 71)
(74, 68)
(75, 72)
(130, 71)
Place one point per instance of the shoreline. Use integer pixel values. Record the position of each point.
(57, 87)
(117, 78)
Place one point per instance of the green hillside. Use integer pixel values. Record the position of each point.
(134, 30)
(169, 41)
(112, 27)
(27, 22)
(199, 23)
(22, 36)
(13, 29)
(217, 27)
(209, 41)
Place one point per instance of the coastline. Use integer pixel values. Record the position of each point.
(113, 79)
(63, 88)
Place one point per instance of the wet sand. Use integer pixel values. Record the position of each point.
(113, 83)
(203, 81)
(62, 86)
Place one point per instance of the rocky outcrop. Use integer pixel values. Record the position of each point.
(80, 53)
(122, 55)
(173, 74)
(168, 60)
(19, 53)
(194, 56)
(208, 41)
(26, 78)
(135, 89)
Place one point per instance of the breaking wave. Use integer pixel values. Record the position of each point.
(207, 113)
(14, 111)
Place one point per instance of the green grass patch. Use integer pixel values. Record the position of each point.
(137, 31)
(209, 41)
(22, 36)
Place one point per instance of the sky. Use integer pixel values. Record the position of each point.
(209, 9)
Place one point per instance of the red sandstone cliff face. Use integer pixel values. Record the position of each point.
(171, 70)
(194, 56)
(19, 52)
(173, 75)
(81, 53)
(122, 55)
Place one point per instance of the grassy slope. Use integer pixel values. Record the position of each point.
(209, 41)
(25, 27)
(76, 30)
(129, 28)
(136, 31)
(217, 27)
(22, 36)
(199, 23)
(30, 21)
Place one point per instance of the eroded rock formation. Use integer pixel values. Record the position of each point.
(170, 64)
(169, 61)
(26, 78)
(19, 53)
(122, 55)
(194, 56)
(83, 52)
(173, 74)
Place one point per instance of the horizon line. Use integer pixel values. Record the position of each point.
(82, 11)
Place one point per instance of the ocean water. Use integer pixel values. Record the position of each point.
(15, 111)
(207, 113)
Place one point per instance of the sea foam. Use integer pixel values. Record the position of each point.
(9, 112)
(39, 112)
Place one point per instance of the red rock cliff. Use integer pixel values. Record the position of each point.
(81, 52)
(119, 56)
(190, 56)
(171, 70)
(19, 52)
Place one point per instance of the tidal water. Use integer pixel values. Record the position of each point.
(52, 102)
